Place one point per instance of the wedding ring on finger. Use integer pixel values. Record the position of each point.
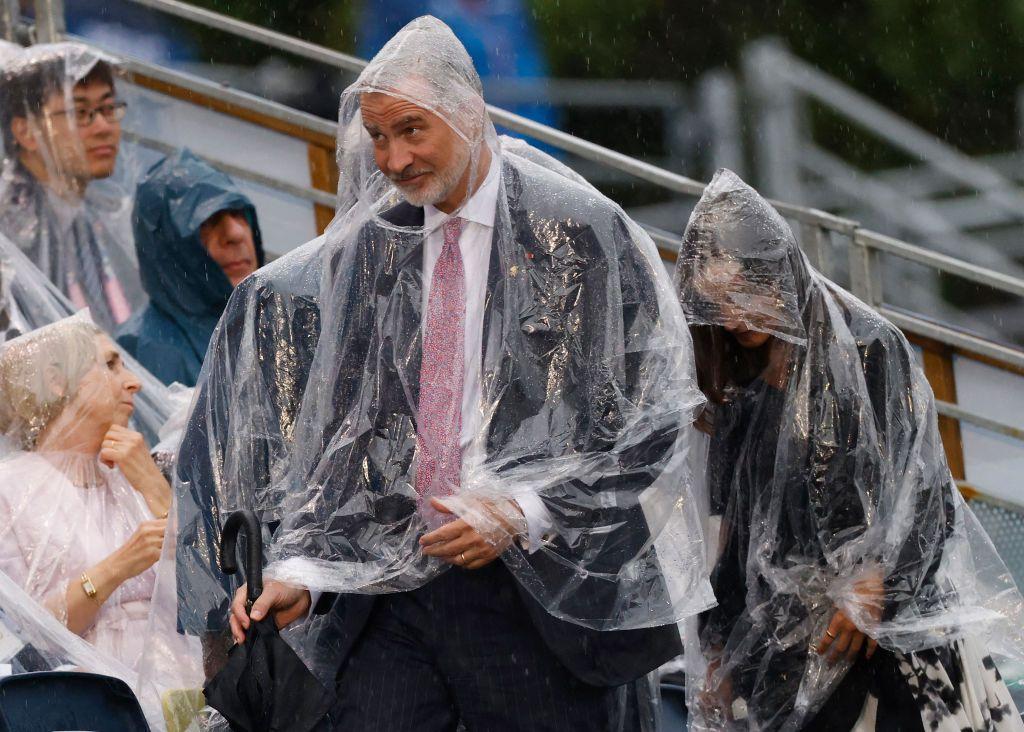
(830, 634)
(462, 555)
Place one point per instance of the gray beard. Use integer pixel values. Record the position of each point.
(441, 187)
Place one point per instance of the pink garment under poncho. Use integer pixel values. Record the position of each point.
(64, 513)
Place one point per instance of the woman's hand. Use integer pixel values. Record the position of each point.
(141, 551)
(135, 556)
(127, 450)
(843, 637)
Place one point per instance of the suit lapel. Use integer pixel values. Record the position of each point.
(400, 298)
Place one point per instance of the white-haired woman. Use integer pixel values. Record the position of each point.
(84, 502)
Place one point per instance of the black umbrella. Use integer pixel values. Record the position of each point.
(264, 686)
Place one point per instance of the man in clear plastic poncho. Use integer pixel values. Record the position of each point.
(856, 588)
(196, 236)
(61, 124)
(465, 411)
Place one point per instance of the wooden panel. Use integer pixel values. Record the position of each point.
(219, 105)
(938, 368)
(323, 173)
(929, 343)
(969, 492)
(668, 255)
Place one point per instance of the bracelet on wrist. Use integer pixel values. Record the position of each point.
(90, 589)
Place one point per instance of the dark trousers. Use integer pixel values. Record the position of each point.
(462, 649)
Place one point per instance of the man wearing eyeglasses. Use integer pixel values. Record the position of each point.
(61, 125)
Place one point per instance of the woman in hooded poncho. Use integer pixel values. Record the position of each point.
(847, 566)
(83, 503)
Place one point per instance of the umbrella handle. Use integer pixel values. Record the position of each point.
(254, 566)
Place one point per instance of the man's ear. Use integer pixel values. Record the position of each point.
(22, 132)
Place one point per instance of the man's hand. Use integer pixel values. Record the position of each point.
(287, 603)
(843, 637)
(460, 544)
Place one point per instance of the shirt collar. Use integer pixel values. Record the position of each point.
(479, 208)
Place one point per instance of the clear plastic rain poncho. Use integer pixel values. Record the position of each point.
(65, 190)
(828, 485)
(84, 505)
(28, 300)
(65, 398)
(309, 407)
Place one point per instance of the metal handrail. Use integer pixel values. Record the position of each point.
(873, 116)
(257, 33)
(245, 100)
(562, 140)
(949, 409)
(952, 337)
(307, 194)
(941, 262)
(921, 217)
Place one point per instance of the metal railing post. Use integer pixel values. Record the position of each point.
(865, 272)
(777, 139)
(50, 23)
(720, 105)
(817, 245)
(10, 14)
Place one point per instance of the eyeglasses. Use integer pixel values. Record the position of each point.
(112, 112)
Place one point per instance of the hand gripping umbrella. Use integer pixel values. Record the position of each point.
(264, 686)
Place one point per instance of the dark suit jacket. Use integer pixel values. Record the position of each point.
(551, 286)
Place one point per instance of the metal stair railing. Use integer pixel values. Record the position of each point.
(817, 230)
(803, 77)
(779, 81)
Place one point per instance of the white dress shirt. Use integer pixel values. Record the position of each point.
(475, 243)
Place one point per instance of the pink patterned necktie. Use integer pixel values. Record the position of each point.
(439, 468)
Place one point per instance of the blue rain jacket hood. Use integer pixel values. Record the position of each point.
(187, 288)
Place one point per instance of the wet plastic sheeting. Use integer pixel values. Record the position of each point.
(28, 300)
(82, 501)
(827, 480)
(66, 186)
(308, 409)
